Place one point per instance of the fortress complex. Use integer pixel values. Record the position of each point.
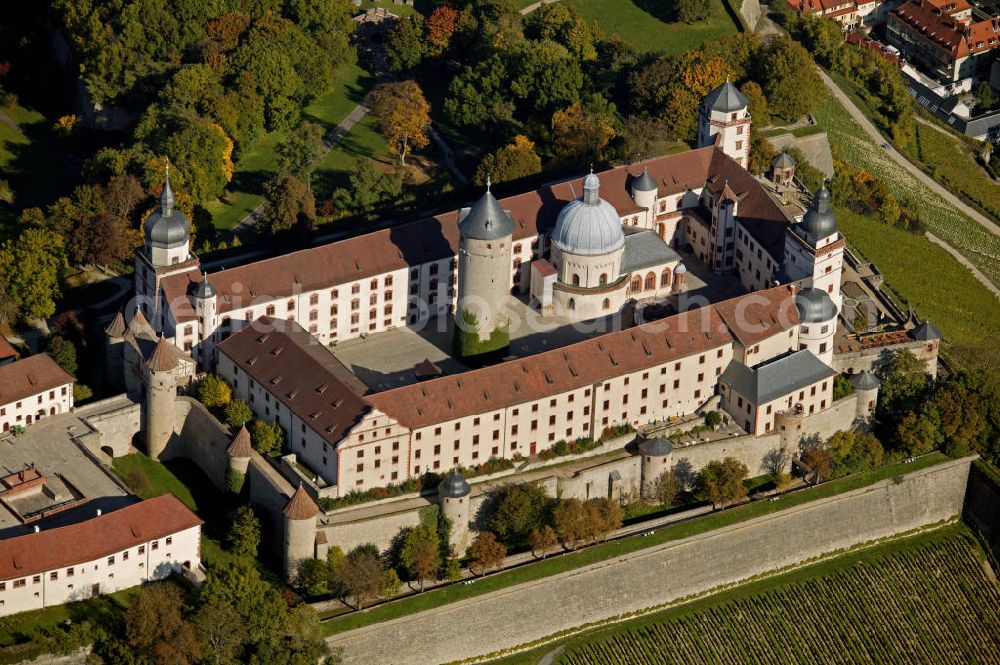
(604, 245)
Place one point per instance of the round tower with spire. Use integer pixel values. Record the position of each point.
(161, 396)
(167, 231)
(238, 454)
(484, 273)
(300, 531)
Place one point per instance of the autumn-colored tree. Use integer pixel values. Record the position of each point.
(421, 553)
(214, 392)
(221, 632)
(156, 628)
(486, 552)
(603, 516)
(441, 25)
(819, 461)
(584, 129)
(665, 489)
(722, 482)
(403, 116)
(513, 161)
(570, 521)
(542, 540)
(756, 104)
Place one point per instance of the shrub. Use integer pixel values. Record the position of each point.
(214, 392)
(467, 342)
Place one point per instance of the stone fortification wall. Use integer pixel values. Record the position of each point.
(378, 522)
(114, 422)
(982, 507)
(663, 573)
(199, 437)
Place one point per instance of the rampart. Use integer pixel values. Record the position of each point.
(663, 573)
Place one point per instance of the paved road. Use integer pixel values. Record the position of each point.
(329, 143)
(925, 179)
(983, 279)
(532, 7)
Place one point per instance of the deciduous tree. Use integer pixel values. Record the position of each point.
(220, 631)
(666, 488)
(300, 149)
(542, 540)
(156, 628)
(513, 161)
(403, 116)
(363, 574)
(421, 553)
(519, 509)
(722, 482)
(267, 438)
(486, 552)
(819, 461)
(406, 44)
(288, 202)
(441, 25)
(569, 520)
(238, 413)
(214, 392)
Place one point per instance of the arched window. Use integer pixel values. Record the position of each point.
(650, 281)
(606, 304)
(604, 278)
(572, 304)
(576, 280)
(636, 284)
(665, 278)
(635, 221)
(661, 229)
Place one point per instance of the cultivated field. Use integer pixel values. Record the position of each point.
(934, 602)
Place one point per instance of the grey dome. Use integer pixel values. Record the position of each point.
(644, 183)
(782, 161)
(926, 332)
(865, 381)
(205, 289)
(680, 269)
(454, 486)
(658, 447)
(486, 220)
(819, 221)
(814, 306)
(589, 226)
(726, 99)
(167, 227)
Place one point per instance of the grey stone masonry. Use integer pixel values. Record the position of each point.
(663, 573)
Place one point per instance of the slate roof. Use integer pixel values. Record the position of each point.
(486, 220)
(726, 98)
(926, 332)
(776, 378)
(454, 486)
(96, 538)
(30, 376)
(643, 249)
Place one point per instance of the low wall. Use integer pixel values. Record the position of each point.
(663, 573)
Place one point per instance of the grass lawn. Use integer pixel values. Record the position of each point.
(28, 164)
(363, 142)
(636, 23)
(752, 598)
(259, 165)
(601, 552)
(188, 483)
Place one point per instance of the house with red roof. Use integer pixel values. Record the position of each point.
(950, 39)
(148, 540)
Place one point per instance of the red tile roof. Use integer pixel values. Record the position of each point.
(933, 24)
(559, 370)
(30, 376)
(240, 447)
(757, 316)
(95, 538)
(6, 350)
(436, 238)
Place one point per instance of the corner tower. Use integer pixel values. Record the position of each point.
(300, 531)
(484, 276)
(814, 248)
(724, 121)
(161, 394)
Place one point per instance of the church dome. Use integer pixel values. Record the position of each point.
(819, 221)
(589, 226)
(167, 227)
(486, 220)
(814, 306)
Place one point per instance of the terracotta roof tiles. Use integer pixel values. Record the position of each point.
(95, 538)
(31, 376)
